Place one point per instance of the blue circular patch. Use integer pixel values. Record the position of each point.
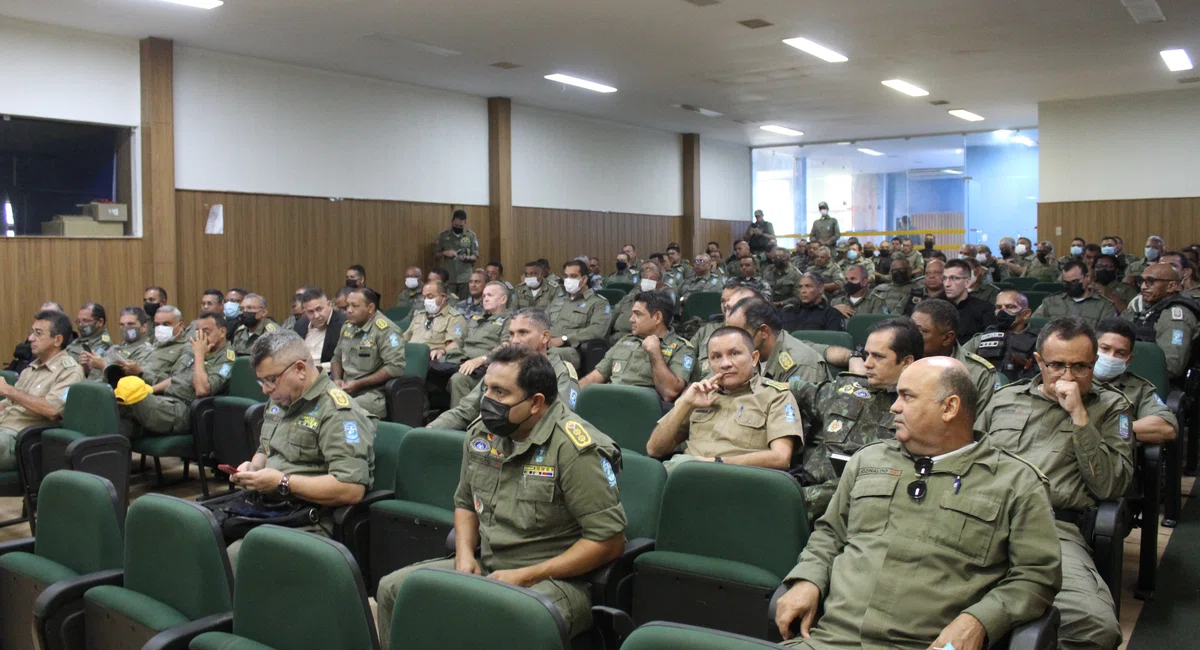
(480, 445)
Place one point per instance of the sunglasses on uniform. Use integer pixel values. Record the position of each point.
(923, 466)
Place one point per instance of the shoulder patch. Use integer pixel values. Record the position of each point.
(1177, 313)
(340, 398)
(571, 371)
(381, 324)
(785, 360)
(777, 385)
(983, 362)
(229, 354)
(107, 339)
(271, 327)
(578, 434)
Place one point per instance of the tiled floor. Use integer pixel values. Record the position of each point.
(1131, 608)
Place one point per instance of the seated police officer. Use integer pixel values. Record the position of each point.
(652, 356)
(1167, 319)
(92, 321)
(1153, 422)
(735, 416)
(166, 347)
(133, 342)
(253, 322)
(317, 444)
(938, 322)
(439, 325)
(577, 313)
(1077, 432)
(484, 332)
(618, 325)
(369, 352)
(1078, 298)
(812, 310)
(974, 314)
(781, 356)
(1008, 345)
(734, 292)
(529, 447)
(936, 539)
(853, 410)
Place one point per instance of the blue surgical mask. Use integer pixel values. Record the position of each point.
(232, 309)
(1077, 250)
(851, 254)
(1108, 250)
(1108, 367)
(1151, 253)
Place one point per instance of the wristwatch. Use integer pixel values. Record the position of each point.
(284, 487)
(565, 340)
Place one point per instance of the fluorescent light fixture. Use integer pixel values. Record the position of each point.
(958, 151)
(952, 171)
(782, 130)
(905, 87)
(843, 144)
(816, 49)
(871, 152)
(1176, 60)
(966, 115)
(581, 83)
(1003, 134)
(1023, 139)
(199, 4)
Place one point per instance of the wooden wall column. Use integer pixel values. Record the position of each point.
(501, 224)
(159, 231)
(691, 230)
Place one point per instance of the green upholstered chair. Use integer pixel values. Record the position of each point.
(43, 578)
(613, 296)
(627, 414)
(407, 396)
(1037, 323)
(641, 480)
(858, 325)
(399, 312)
(840, 339)
(9, 376)
(622, 286)
(243, 382)
(1048, 287)
(295, 591)
(177, 581)
(669, 636)
(354, 526)
(220, 433)
(702, 304)
(1022, 283)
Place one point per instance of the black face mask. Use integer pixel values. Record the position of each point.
(495, 417)
(1073, 289)
(780, 264)
(901, 277)
(1105, 276)
(353, 284)
(150, 308)
(1005, 320)
(249, 319)
(929, 245)
(458, 230)
(852, 288)
(1006, 252)
(621, 266)
(1041, 255)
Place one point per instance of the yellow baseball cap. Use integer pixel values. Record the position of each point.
(131, 390)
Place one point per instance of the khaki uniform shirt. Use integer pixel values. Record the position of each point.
(894, 571)
(461, 416)
(436, 331)
(581, 318)
(1047, 271)
(895, 296)
(983, 375)
(700, 342)
(627, 364)
(1142, 394)
(375, 346)
(162, 358)
(465, 244)
(744, 421)
(523, 296)
(218, 365)
(792, 357)
(708, 282)
(50, 381)
(1092, 309)
(323, 432)
(785, 284)
(99, 342)
(826, 230)
(628, 276)
(1084, 464)
(537, 497)
(484, 332)
(244, 338)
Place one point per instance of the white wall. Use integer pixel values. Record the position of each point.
(575, 163)
(724, 181)
(1127, 147)
(248, 125)
(63, 74)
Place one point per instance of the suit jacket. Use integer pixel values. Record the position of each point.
(331, 333)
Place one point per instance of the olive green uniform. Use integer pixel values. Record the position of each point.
(484, 333)
(460, 270)
(627, 364)
(535, 499)
(682, 272)
(1092, 309)
(1047, 271)
(758, 285)
(51, 381)
(1142, 394)
(792, 357)
(1138, 265)
(412, 297)
(137, 350)
(700, 343)
(871, 303)
(1085, 465)
(523, 296)
(365, 350)
(1175, 332)
(785, 284)
(760, 242)
(162, 358)
(628, 276)
(894, 571)
(169, 413)
(579, 318)
(1123, 291)
(443, 328)
(986, 292)
(831, 272)
(467, 409)
(708, 282)
(743, 421)
(842, 416)
(915, 260)
(618, 325)
(895, 296)
(99, 342)
(827, 231)
(983, 375)
(244, 337)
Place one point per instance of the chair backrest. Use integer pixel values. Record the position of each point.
(399, 312)
(80, 519)
(387, 452)
(501, 615)
(243, 382)
(1021, 282)
(9, 376)
(175, 554)
(857, 325)
(1035, 298)
(299, 591)
(428, 466)
(826, 338)
(1150, 363)
(230, 439)
(660, 635)
(622, 286)
(416, 360)
(91, 409)
(1006, 286)
(1037, 323)
(627, 414)
(746, 514)
(613, 296)
(702, 304)
(641, 481)
(1048, 287)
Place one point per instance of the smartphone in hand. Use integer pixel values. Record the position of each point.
(228, 469)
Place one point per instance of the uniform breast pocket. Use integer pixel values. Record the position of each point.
(752, 428)
(304, 442)
(538, 504)
(482, 478)
(967, 524)
(870, 500)
(620, 357)
(573, 317)
(702, 416)
(1008, 421)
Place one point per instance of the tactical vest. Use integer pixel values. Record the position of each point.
(1011, 352)
(1145, 322)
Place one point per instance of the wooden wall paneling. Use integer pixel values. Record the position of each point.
(501, 244)
(158, 164)
(1177, 220)
(722, 232)
(690, 223)
(559, 235)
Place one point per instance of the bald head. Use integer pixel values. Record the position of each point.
(1162, 272)
(935, 407)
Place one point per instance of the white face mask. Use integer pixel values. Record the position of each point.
(163, 333)
(648, 284)
(432, 307)
(824, 213)
(851, 254)
(532, 283)
(1022, 249)
(411, 283)
(1108, 367)
(572, 285)
(981, 258)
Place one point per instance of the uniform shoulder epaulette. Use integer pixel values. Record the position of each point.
(777, 385)
(1026, 463)
(849, 373)
(984, 362)
(478, 418)
(1118, 391)
(106, 338)
(271, 327)
(571, 371)
(68, 361)
(340, 398)
(381, 323)
(578, 435)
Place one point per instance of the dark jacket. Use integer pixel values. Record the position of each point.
(331, 333)
(974, 316)
(813, 317)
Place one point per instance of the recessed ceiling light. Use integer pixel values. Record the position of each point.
(958, 151)
(781, 130)
(581, 83)
(843, 144)
(698, 110)
(1023, 139)
(966, 115)
(871, 152)
(905, 87)
(816, 49)
(199, 4)
(952, 171)
(1176, 60)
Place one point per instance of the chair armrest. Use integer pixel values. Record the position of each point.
(783, 589)
(1111, 518)
(343, 513)
(1152, 456)
(613, 624)
(604, 579)
(64, 592)
(452, 542)
(178, 638)
(17, 546)
(1175, 401)
(1038, 634)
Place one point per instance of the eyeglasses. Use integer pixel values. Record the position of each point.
(266, 382)
(1077, 369)
(923, 467)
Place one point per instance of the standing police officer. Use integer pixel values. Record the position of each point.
(458, 248)
(825, 229)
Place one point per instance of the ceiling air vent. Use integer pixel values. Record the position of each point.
(702, 3)
(1144, 11)
(1188, 80)
(505, 65)
(755, 23)
(697, 110)
(939, 102)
